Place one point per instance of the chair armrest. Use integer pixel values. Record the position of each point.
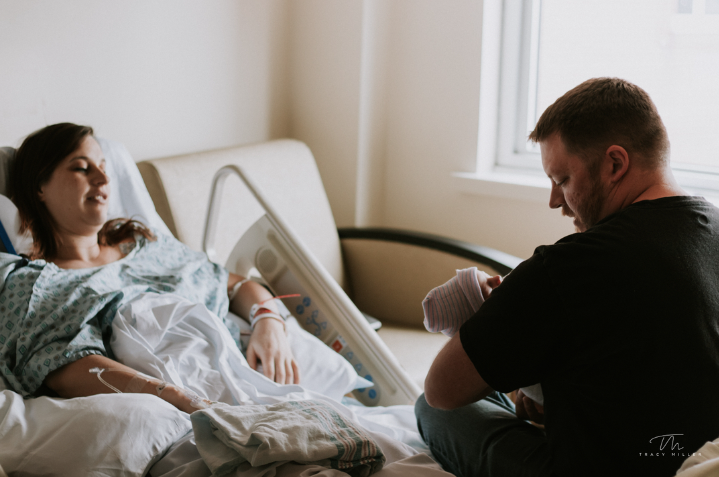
(502, 262)
(390, 271)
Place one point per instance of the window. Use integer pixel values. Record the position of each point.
(668, 47)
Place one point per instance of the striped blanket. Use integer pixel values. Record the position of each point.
(235, 437)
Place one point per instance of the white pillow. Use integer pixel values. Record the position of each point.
(322, 369)
(102, 435)
(22, 243)
(129, 197)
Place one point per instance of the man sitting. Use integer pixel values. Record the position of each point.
(618, 322)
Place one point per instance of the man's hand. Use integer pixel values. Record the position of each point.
(488, 283)
(269, 345)
(528, 409)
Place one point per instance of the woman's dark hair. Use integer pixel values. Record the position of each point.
(36, 160)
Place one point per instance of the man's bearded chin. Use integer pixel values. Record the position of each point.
(567, 212)
(589, 211)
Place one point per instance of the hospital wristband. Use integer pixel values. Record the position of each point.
(269, 315)
(258, 313)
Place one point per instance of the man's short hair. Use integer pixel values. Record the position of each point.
(602, 112)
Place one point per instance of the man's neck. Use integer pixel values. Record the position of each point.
(644, 185)
(659, 185)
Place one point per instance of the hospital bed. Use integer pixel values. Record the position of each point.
(385, 273)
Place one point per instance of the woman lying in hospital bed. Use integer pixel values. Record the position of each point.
(97, 293)
(85, 268)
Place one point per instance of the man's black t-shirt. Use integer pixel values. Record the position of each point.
(620, 324)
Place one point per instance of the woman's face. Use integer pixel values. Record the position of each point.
(78, 191)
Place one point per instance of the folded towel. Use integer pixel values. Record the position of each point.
(301, 431)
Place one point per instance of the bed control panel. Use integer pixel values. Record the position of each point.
(324, 331)
(271, 247)
(339, 325)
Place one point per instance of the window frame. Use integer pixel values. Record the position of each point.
(518, 80)
(510, 43)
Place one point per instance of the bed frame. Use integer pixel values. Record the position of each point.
(385, 272)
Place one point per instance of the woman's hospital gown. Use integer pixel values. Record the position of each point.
(50, 316)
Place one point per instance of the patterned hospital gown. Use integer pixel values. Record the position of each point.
(50, 316)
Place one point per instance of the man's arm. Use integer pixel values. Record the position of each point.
(453, 381)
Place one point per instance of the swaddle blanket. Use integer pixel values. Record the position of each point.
(448, 306)
(301, 431)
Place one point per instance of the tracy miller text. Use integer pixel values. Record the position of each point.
(672, 454)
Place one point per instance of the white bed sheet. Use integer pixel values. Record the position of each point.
(395, 426)
(183, 343)
(191, 348)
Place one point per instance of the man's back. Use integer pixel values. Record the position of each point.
(620, 324)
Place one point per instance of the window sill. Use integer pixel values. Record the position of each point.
(507, 185)
(531, 187)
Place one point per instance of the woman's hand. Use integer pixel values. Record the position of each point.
(269, 346)
(268, 343)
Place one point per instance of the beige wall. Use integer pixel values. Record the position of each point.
(409, 73)
(385, 93)
(324, 70)
(433, 115)
(163, 76)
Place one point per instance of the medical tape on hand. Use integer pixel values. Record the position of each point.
(161, 387)
(136, 384)
(196, 401)
(99, 372)
(139, 381)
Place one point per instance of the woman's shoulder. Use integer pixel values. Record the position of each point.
(14, 268)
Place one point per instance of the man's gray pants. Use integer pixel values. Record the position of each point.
(484, 439)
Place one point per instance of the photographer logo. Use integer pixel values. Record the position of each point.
(667, 445)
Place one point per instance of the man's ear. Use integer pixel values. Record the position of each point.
(618, 158)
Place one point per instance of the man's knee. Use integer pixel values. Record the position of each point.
(422, 412)
(420, 405)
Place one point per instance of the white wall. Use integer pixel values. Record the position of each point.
(385, 93)
(411, 67)
(162, 76)
(325, 39)
(433, 116)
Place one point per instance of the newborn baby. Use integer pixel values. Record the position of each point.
(448, 306)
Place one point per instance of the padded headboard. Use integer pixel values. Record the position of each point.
(286, 172)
